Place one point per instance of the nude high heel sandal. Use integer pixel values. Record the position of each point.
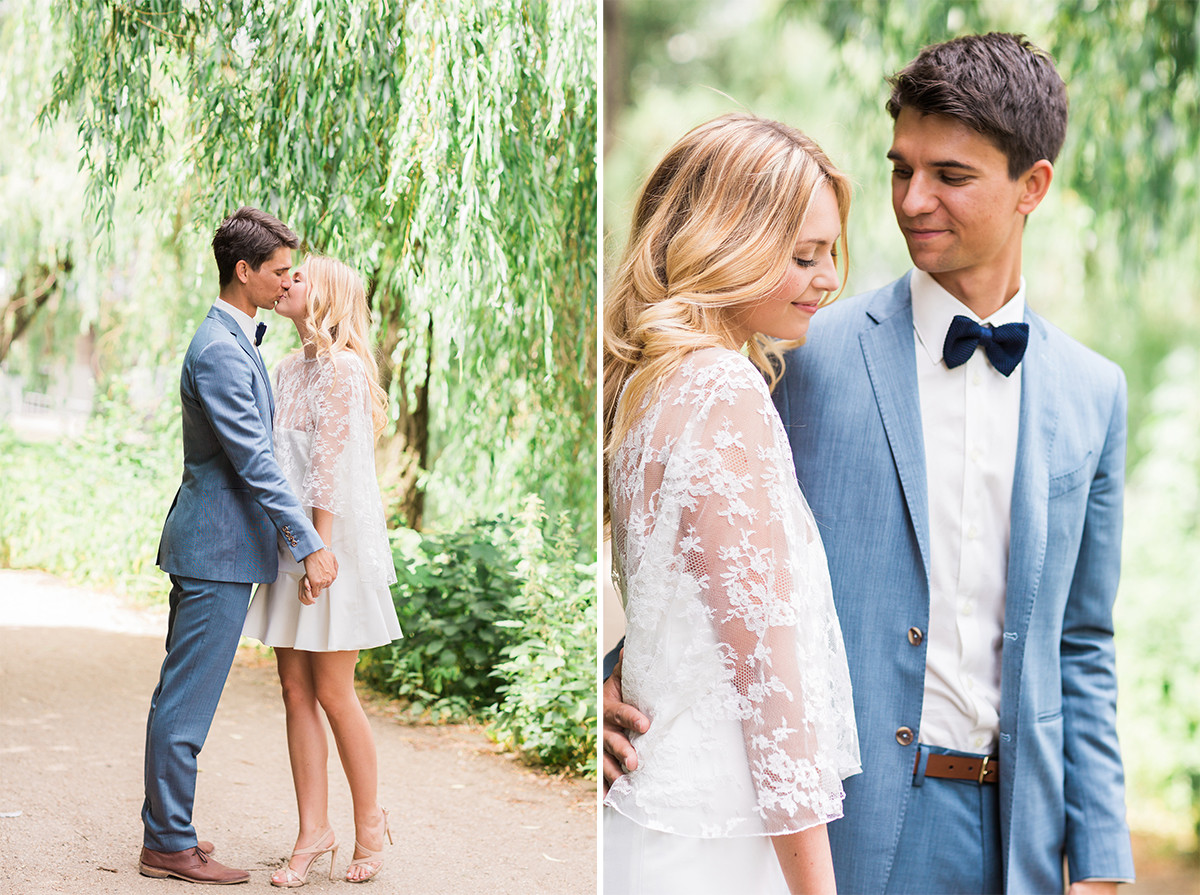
(292, 878)
(369, 857)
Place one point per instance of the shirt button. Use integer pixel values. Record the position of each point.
(904, 736)
(975, 455)
(972, 533)
(968, 607)
(915, 636)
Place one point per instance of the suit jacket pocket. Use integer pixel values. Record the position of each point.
(1054, 715)
(1069, 481)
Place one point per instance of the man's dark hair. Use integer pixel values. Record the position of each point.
(999, 85)
(249, 235)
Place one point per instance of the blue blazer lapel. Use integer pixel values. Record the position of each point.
(1031, 485)
(890, 353)
(1028, 527)
(248, 347)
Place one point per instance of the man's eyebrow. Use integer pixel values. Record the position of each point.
(946, 163)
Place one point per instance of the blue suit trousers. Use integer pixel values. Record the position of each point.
(950, 841)
(202, 636)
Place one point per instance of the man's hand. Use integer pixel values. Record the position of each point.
(619, 755)
(306, 595)
(320, 569)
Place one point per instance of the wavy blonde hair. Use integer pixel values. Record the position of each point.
(337, 319)
(714, 227)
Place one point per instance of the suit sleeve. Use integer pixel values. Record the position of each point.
(1097, 838)
(224, 384)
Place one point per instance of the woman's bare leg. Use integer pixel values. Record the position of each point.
(308, 749)
(333, 674)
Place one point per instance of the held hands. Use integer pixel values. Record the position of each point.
(619, 718)
(320, 570)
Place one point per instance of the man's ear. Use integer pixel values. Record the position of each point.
(242, 269)
(1035, 183)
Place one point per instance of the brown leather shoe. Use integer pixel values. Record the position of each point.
(192, 865)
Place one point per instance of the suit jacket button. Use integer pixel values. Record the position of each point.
(904, 736)
(915, 636)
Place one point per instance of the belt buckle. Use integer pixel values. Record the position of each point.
(983, 770)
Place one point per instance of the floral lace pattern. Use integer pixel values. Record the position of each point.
(325, 445)
(732, 646)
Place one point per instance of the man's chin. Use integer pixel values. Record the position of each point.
(929, 262)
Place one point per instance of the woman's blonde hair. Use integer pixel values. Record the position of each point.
(337, 320)
(715, 226)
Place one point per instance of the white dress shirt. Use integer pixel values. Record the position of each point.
(244, 320)
(969, 417)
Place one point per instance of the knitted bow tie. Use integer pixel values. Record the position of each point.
(1004, 345)
(258, 333)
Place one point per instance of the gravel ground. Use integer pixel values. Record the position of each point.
(76, 672)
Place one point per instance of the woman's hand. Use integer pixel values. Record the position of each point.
(307, 597)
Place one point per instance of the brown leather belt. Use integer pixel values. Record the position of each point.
(961, 767)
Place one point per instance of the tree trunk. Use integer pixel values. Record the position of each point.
(403, 456)
(33, 290)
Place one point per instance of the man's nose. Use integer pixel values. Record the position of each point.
(919, 197)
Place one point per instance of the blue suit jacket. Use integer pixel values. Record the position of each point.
(234, 503)
(850, 403)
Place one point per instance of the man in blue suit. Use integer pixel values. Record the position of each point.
(221, 534)
(965, 462)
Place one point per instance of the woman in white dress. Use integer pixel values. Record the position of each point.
(329, 410)
(732, 644)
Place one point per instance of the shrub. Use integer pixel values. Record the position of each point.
(548, 710)
(91, 509)
(499, 624)
(451, 591)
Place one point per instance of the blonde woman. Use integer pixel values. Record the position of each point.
(329, 410)
(732, 649)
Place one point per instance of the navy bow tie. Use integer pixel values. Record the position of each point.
(258, 333)
(1005, 344)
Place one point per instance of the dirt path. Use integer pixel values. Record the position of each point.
(76, 673)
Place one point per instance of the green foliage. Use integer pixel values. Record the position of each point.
(1157, 623)
(451, 591)
(499, 623)
(548, 710)
(91, 509)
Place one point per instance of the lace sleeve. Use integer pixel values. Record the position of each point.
(727, 543)
(342, 444)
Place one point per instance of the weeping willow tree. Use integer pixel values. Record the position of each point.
(445, 147)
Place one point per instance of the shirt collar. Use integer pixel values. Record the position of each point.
(245, 321)
(933, 309)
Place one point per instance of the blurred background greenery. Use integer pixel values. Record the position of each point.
(1111, 256)
(444, 147)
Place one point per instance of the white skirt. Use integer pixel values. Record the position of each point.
(347, 616)
(642, 861)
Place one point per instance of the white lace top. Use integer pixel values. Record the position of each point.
(732, 644)
(325, 445)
